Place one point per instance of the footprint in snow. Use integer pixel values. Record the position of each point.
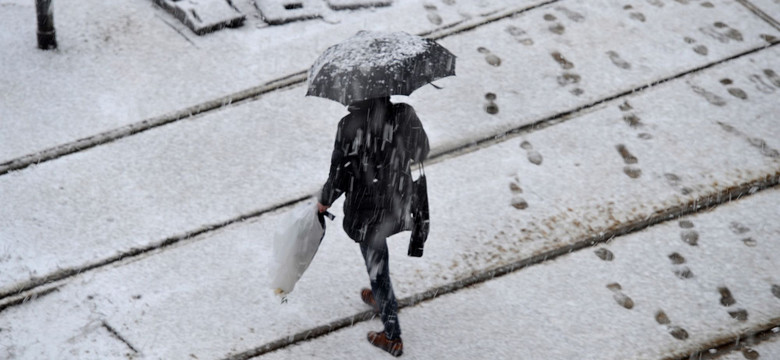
(773, 77)
(562, 61)
(709, 96)
(699, 49)
(533, 156)
(727, 300)
(517, 201)
(631, 170)
(680, 270)
(571, 14)
(737, 228)
(491, 107)
(556, 28)
(676, 258)
(677, 332)
(568, 79)
(761, 86)
(722, 32)
(621, 298)
(734, 91)
(728, 31)
(690, 237)
(520, 35)
(683, 272)
(636, 15)
(739, 314)
(490, 58)
(762, 146)
(750, 354)
(618, 61)
(433, 14)
(628, 158)
(630, 118)
(604, 254)
(674, 181)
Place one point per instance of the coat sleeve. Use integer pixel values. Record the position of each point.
(333, 187)
(417, 141)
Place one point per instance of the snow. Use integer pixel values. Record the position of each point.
(85, 83)
(562, 309)
(768, 349)
(530, 83)
(206, 297)
(770, 7)
(204, 16)
(353, 4)
(172, 180)
(369, 49)
(376, 64)
(187, 291)
(276, 11)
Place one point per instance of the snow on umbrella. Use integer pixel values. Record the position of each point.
(377, 64)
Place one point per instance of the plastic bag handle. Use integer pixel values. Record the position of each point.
(329, 215)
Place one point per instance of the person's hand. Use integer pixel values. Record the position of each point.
(322, 208)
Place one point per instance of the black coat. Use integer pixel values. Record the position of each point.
(371, 164)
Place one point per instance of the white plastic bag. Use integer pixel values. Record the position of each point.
(295, 243)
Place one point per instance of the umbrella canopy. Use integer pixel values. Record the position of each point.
(377, 64)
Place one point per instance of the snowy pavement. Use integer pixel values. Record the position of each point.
(156, 245)
(123, 63)
(654, 297)
(220, 275)
(171, 182)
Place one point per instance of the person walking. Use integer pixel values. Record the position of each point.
(376, 143)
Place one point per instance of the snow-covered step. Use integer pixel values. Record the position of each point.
(120, 64)
(168, 182)
(610, 169)
(634, 306)
(573, 53)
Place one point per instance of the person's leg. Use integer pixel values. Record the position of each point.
(376, 256)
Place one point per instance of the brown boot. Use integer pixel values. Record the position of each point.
(395, 347)
(368, 297)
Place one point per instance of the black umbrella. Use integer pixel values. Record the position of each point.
(376, 64)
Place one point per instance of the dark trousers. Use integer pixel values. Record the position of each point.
(376, 256)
